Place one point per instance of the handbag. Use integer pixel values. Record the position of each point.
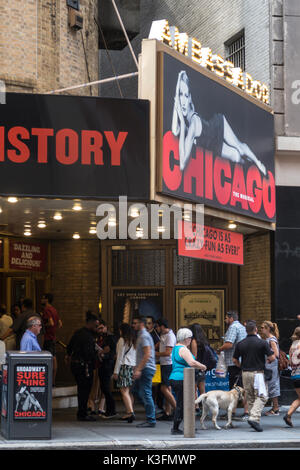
(157, 376)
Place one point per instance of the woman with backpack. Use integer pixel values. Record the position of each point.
(203, 353)
(270, 332)
(123, 371)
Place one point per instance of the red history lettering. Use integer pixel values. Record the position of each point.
(70, 146)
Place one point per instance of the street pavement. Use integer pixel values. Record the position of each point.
(69, 434)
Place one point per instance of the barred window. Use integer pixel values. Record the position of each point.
(235, 50)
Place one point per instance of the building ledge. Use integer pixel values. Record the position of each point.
(288, 144)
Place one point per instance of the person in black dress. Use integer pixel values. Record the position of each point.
(215, 135)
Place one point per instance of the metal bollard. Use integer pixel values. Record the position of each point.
(189, 401)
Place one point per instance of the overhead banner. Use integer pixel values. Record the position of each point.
(210, 244)
(71, 146)
(217, 145)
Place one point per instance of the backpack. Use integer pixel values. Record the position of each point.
(209, 358)
(283, 361)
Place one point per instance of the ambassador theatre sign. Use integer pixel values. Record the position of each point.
(211, 142)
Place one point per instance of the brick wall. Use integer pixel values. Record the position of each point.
(75, 281)
(255, 279)
(38, 50)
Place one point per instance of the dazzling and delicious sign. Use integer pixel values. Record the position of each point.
(74, 146)
(217, 147)
(211, 244)
(27, 256)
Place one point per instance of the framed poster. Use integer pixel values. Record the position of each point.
(128, 302)
(217, 145)
(203, 306)
(30, 392)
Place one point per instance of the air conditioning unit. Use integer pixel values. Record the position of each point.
(75, 19)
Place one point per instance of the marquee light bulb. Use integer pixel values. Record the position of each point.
(12, 199)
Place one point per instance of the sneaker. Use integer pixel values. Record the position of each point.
(245, 417)
(255, 425)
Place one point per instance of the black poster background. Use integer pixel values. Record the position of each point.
(250, 123)
(145, 302)
(29, 397)
(77, 180)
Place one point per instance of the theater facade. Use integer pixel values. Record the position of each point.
(95, 192)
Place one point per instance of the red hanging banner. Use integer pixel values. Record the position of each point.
(27, 256)
(210, 243)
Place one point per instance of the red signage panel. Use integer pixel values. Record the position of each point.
(27, 256)
(210, 244)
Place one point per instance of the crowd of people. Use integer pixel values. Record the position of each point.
(132, 359)
(26, 330)
(96, 356)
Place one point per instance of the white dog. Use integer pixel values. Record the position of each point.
(215, 399)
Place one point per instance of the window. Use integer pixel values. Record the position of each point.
(235, 50)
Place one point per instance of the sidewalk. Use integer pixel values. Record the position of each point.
(69, 434)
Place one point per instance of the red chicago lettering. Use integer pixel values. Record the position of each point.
(269, 196)
(194, 170)
(254, 193)
(222, 191)
(171, 171)
(209, 184)
(238, 187)
(254, 188)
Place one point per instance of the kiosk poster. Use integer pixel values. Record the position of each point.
(4, 391)
(217, 145)
(30, 392)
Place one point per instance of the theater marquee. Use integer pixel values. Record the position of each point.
(211, 142)
(71, 146)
